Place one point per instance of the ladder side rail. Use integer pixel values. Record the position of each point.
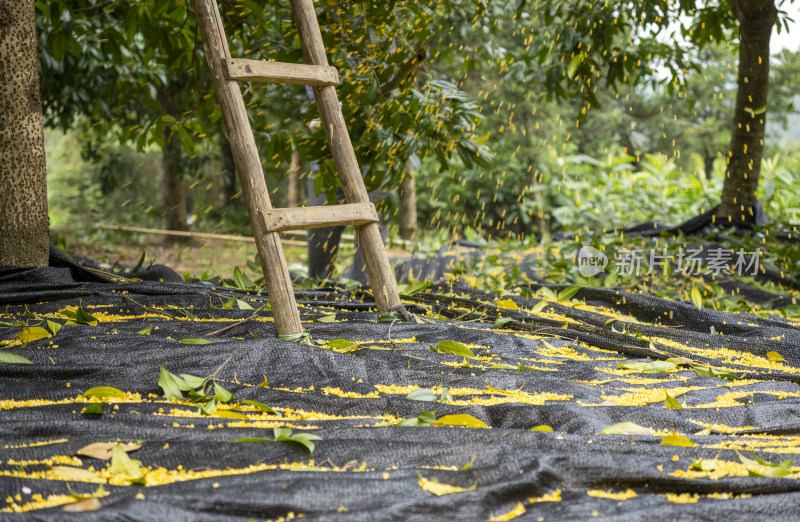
(248, 166)
(381, 277)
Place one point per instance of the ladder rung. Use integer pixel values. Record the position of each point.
(242, 70)
(282, 219)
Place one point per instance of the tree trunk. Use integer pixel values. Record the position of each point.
(294, 181)
(408, 205)
(228, 172)
(24, 224)
(708, 163)
(756, 18)
(172, 158)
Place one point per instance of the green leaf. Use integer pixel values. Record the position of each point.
(227, 414)
(774, 356)
(299, 337)
(104, 391)
(697, 298)
(568, 293)
(146, 331)
(140, 263)
(658, 366)
(704, 465)
(222, 394)
(680, 361)
(304, 439)
(454, 347)
(172, 384)
(707, 371)
(424, 419)
(672, 403)
(207, 408)
(262, 407)
(545, 292)
(285, 435)
(677, 440)
(240, 280)
(762, 468)
(32, 333)
(228, 305)
(422, 394)
(573, 66)
(541, 305)
(243, 305)
(651, 367)
(459, 420)
(122, 464)
(500, 321)
(54, 327)
(412, 288)
(542, 427)
(342, 348)
(192, 381)
(93, 409)
(196, 341)
(507, 304)
(325, 318)
(83, 317)
(12, 358)
(626, 428)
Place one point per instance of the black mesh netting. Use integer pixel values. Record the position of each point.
(555, 365)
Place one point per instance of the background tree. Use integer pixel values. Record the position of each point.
(625, 42)
(24, 227)
(135, 71)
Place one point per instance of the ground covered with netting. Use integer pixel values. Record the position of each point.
(177, 401)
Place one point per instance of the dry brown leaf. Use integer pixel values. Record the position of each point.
(73, 473)
(90, 504)
(102, 450)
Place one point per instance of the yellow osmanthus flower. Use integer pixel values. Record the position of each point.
(35, 444)
(479, 397)
(722, 428)
(728, 496)
(766, 443)
(729, 356)
(49, 461)
(724, 468)
(130, 397)
(38, 501)
(351, 395)
(619, 495)
(643, 396)
(682, 498)
(729, 399)
(554, 496)
(513, 513)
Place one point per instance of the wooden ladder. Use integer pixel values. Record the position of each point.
(268, 222)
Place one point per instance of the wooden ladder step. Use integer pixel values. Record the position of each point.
(283, 219)
(241, 70)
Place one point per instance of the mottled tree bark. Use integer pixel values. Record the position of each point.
(24, 224)
(756, 19)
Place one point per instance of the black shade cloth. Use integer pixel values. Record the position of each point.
(557, 366)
